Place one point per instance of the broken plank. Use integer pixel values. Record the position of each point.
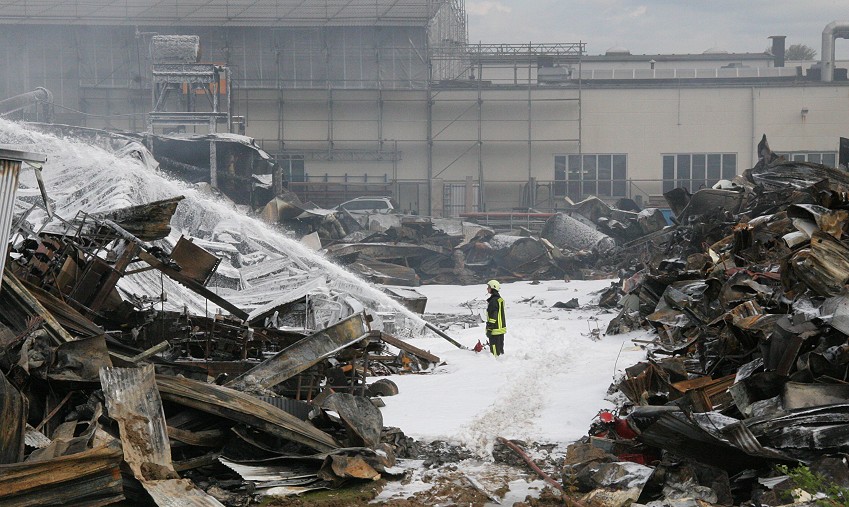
(88, 478)
(23, 299)
(406, 347)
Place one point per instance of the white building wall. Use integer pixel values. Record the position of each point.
(643, 123)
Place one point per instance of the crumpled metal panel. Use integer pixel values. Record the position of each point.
(565, 232)
(81, 359)
(798, 395)
(709, 200)
(195, 262)
(133, 400)
(348, 466)
(284, 471)
(360, 416)
(303, 354)
(179, 493)
(35, 438)
(244, 408)
(824, 267)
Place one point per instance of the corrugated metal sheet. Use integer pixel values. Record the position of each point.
(9, 170)
(133, 400)
(286, 472)
(35, 438)
(297, 408)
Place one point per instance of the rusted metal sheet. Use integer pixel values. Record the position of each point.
(244, 408)
(348, 466)
(87, 479)
(134, 402)
(303, 354)
(13, 420)
(362, 419)
(195, 262)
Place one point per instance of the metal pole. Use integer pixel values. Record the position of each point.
(481, 182)
(213, 165)
(530, 144)
(429, 184)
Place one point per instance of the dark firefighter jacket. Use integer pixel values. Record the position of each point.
(496, 322)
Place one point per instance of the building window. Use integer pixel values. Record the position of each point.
(697, 170)
(827, 158)
(293, 167)
(580, 176)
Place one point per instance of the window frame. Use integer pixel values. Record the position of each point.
(696, 170)
(578, 176)
(795, 155)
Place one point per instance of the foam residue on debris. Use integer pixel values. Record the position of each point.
(81, 177)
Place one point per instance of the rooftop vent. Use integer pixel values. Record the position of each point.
(617, 51)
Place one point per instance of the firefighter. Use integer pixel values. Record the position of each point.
(496, 322)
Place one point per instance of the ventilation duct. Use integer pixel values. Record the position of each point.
(832, 31)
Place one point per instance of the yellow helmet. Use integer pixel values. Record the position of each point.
(494, 285)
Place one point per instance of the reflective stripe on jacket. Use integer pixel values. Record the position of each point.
(496, 322)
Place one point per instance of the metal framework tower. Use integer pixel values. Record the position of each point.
(175, 70)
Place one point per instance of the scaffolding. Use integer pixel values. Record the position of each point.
(303, 73)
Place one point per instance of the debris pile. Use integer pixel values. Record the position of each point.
(176, 352)
(749, 367)
(409, 250)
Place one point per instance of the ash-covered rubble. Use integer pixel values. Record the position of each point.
(409, 250)
(386, 248)
(748, 370)
(174, 353)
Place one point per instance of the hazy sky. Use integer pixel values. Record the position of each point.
(657, 26)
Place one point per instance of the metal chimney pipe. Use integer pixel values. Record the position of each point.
(833, 30)
(778, 49)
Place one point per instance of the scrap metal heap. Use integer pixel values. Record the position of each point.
(410, 250)
(106, 396)
(749, 367)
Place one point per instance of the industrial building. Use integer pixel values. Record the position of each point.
(387, 97)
